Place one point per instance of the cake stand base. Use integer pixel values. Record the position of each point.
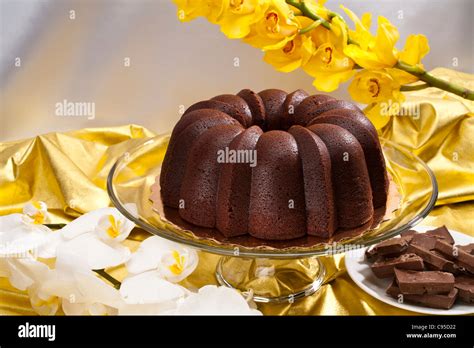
(272, 280)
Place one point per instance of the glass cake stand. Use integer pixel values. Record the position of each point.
(281, 271)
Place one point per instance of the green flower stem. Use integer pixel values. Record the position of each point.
(430, 80)
(406, 88)
(435, 82)
(108, 277)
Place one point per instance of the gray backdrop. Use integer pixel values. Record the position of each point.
(171, 63)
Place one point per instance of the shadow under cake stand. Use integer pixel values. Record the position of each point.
(272, 271)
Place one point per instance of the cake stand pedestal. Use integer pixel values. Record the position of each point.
(270, 280)
(271, 275)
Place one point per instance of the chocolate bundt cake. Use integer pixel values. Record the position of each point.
(295, 164)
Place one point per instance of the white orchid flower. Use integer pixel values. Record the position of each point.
(148, 293)
(172, 261)
(43, 303)
(19, 235)
(113, 229)
(93, 241)
(36, 212)
(76, 287)
(154, 269)
(24, 272)
(96, 237)
(215, 300)
(27, 274)
(71, 284)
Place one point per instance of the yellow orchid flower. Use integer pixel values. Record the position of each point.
(361, 34)
(328, 65)
(239, 15)
(294, 54)
(381, 90)
(372, 86)
(372, 52)
(276, 28)
(416, 47)
(191, 9)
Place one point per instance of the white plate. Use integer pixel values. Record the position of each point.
(359, 270)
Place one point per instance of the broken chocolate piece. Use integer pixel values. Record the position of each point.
(408, 235)
(464, 267)
(446, 264)
(371, 253)
(440, 301)
(465, 285)
(418, 283)
(442, 233)
(466, 259)
(458, 252)
(469, 248)
(446, 249)
(389, 248)
(437, 261)
(384, 268)
(424, 241)
(392, 246)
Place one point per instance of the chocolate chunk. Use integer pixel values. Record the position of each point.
(388, 248)
(465, 285)
(384, 268)
(460, 254)
(392, 246)
(446, 249)
(466, 259)
(408, 235)
(430, 282)
(447, 265)
(424, 241)
(371, 254)
(442, 233)
(464, 267)
(435, 260)
(440, 301)
(469, 248)
(393, 290)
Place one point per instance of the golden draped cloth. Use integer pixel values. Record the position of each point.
(68, 171)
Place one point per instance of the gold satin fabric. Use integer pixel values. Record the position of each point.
(68, 171)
